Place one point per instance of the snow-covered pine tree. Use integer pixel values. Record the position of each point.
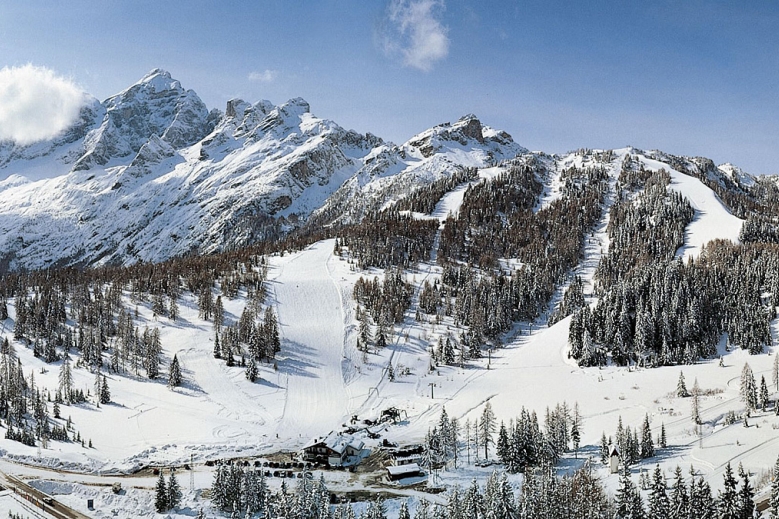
(66, 380)
(604, 449)
(647, 444)
(161, 495)
(696, 405)
(773, 504)
(105, 392)
(219, 314)
(746, 495)
(403, 512)
(763, 397)
(680, 497)
(681, 387)
(487, 427)
(173, 490)
(748, 388)
(423, 510)
(775, 372)
(174, 372)
(173, 309)
(251, 370)
(659, 505)
(727, 501)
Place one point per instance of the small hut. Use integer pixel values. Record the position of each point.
(614, 459)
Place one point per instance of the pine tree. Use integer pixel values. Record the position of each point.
(680, 498)
(174, 372)
(647, 445)
(763, 393)
(217, 347)
(173, 309)
(251, 370)
(727, 502)
(775, 372)
(748, 389)
(161, 495)
(173, 490)
(487, 428)
(604, 449)
(403, 512)
(66, 380)
(575, 438)
(628, 498)
(219, 314)
(681, 387)
(105, 393)
(659, 505)
(663, 442)
(746, 502)
(774, 502)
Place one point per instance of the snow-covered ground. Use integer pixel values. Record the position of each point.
(321, 381)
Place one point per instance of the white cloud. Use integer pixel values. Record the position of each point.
(266, 76)
(413, 31)
(36, 103)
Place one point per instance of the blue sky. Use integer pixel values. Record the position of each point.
(691, 77)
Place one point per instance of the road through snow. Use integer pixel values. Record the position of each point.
(312, 329)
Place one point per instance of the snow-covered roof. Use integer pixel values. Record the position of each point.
(400, 470)
(336, 442)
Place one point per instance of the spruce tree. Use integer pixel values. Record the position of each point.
(251, 370)
(681, 387)
(403, 512)
(575, 438)
(763, 400)
(696, 406)
(487, 428)
(174, 372)
(774, 502)
(173, 490)
(728, 502)
(161, 495)
(775, 372)
(647, 445)
(748, 389)
(680, 498)
(746, 495)
(659, 505)
(105, 393)
(66, 380)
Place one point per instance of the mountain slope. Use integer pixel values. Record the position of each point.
(150, 173)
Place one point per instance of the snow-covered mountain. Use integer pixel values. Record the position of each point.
(151, 173)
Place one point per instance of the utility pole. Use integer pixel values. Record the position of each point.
(432, 385)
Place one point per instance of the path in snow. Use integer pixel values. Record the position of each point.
(312, 329)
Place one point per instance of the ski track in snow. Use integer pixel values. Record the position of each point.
(310, 317)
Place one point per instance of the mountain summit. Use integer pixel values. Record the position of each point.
(152, 173)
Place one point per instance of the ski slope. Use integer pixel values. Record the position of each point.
(308, 304)
(712, 219)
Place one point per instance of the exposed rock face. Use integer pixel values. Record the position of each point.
(150, 173)
(157, 105)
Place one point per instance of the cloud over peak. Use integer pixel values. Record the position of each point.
(413, 31)
(266, 76)
(36, 103)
